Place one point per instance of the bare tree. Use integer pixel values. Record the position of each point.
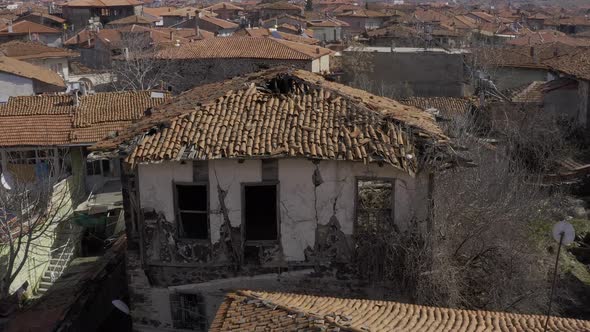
(34, 199)
(139, 65)
(479, 251)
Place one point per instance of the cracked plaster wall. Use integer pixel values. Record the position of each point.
(302, 205)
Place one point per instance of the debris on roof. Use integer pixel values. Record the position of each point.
(282, 113)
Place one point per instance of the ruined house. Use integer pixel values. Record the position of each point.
(263, 173)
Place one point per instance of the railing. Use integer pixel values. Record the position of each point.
(66, 249)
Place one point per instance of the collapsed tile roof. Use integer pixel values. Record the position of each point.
(282, 113)
(447, 105)
(263, 311)
(56, 120)
(575, 64)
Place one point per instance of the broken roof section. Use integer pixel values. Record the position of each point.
(282, 113)
(254, 311)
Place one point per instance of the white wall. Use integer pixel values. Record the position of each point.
(299, 206)
(155, 185)
(230, 175)
(321, 64)
(47, 63)
(12, 85)
(302, 205)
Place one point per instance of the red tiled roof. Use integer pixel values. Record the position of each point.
(263, 311)
(101, 3)
(223, 6)
(40, 129)
(133, 19)
(362, 13)
(314, 119)
(223, 24)
(24, 50)
(24, 69)
(26, 27)
(55, 120)
(576, 64)
(281, 5)
(46, 16)
(245, 47)
(548, 36)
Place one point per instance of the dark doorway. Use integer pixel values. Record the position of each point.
(260, 212)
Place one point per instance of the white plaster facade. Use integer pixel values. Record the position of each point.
(58, 65)
(302, 205)
(321, 64)
(12, 85)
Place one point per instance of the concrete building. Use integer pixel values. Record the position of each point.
(79, 12)
(44, 139)
(328, 30)
(360, 20)
(404, 71)
(217, 59)
(575, 67)
(30, 31)
(19, 78)
(282, 188)
(51, 58)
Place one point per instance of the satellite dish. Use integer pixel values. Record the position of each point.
(121, 306)
(7, 180)
(565, 229)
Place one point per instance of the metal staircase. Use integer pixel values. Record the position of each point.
(63, 251)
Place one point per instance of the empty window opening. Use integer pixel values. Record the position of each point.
(374, 205)
(260, 213)
(192, 210)
(189, 312)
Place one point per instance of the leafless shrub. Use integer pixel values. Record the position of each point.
(479, 252)
(31, 206)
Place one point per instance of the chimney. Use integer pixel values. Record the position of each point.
(533, 54)
(197, 29)
(76, 98)
(171, 32)
(317, 50)
(10, 27)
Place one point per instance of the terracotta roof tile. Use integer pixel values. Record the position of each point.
(262, 32)
(24, 50)
(251, 311)
(55, 120)
(24, 69)
(362, 13)
(223, 6)
(26, 27)
(447, 105)
(575, 64)
(317, 119)
(46, 16)
(245, 47)
(133, 19)
(41, 129)
(101, 3)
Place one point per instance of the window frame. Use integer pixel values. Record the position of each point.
(177, 211)
(358, 179)
(275, 183)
